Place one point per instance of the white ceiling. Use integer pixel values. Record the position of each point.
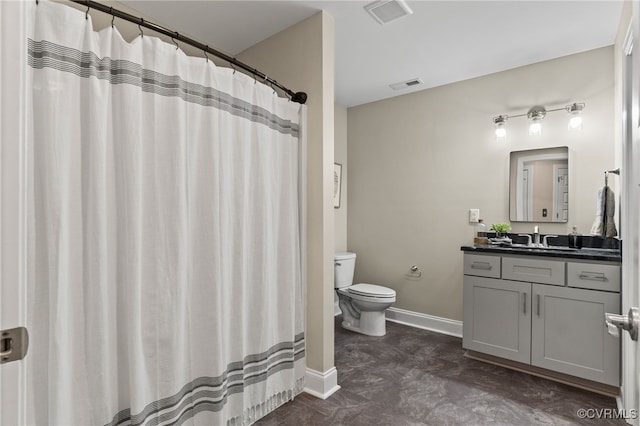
(441, 42)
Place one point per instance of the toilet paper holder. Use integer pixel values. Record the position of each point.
(416, 271)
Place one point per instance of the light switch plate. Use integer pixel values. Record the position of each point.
(474, 215)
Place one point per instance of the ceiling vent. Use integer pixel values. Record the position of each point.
(385, 11)
(405, 84)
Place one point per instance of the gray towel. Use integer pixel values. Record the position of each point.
(604, 224)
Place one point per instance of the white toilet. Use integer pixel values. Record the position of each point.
(362, 305)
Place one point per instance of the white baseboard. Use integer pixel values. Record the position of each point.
(321, 385)
(424, 321)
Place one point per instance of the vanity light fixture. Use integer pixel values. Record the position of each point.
(536, 114)
(501, 131)
(575, 122)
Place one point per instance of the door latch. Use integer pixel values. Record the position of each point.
(630, 322)
(13, 344)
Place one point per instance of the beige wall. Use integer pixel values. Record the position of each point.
(419, 162)
(340, 156)
(303, 57)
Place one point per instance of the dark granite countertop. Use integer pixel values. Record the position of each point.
(609, 255)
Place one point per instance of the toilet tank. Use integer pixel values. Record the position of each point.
(344, 266)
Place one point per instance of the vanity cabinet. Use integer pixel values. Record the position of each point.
(546, 312)
(497, 319)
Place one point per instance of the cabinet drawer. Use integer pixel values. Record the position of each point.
(533, 270)
(482, 266)
(594, 276)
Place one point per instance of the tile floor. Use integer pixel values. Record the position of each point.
(417, 377)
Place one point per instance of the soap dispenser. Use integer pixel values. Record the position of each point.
(480, 233)
(575, 239)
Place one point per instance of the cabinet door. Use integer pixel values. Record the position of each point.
(569, 334)
(497, 317)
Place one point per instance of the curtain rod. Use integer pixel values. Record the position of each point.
(300, 97)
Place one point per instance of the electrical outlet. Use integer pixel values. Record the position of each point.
(474, 215)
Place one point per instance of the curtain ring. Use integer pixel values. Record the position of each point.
(140, 28)
(205, 52)
(37, 2)
(232, 67)
(175, 42)
(86, 14)
(113, 17)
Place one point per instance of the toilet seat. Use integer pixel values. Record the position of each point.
(371, 290)
(364, 307)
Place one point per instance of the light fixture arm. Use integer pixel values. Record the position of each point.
(501, 119)
(575, 107)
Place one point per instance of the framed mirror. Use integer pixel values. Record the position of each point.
(539, 185)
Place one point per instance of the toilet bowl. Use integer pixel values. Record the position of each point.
(363, 305)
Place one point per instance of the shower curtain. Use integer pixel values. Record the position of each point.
(165, 200)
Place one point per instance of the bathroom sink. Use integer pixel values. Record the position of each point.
(550, 248)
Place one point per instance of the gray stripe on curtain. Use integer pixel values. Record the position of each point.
(210, 393)
(44, 54)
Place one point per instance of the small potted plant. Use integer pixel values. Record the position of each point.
(501, 229)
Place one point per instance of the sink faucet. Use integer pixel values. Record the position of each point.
(529, 244)
(545, 240)
(536, 236)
